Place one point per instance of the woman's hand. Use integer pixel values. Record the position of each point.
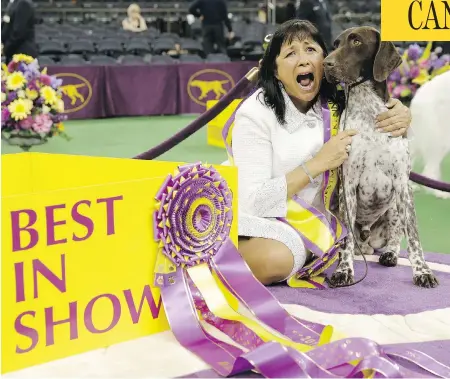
(332, 154)
(396, 120)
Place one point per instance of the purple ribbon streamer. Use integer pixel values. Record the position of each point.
(236, 275)
(226, 359)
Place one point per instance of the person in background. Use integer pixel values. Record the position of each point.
(134, 22)
(18, 30)
(214, 14)
(318, 13)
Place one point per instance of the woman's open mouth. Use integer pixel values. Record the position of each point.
(306, 81)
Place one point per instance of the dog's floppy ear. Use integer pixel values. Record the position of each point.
(386, 61)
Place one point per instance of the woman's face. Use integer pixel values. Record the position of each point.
(300, 68)
(134, 13)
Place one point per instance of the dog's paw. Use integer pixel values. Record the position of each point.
(426, 280)
(388, 259)
(340, 278)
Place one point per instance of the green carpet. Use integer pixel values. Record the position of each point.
(127, 137)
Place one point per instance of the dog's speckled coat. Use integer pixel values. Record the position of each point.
(380, 205)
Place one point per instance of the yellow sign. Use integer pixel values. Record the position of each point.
(209, 84)
(215, 126)
(78, 254)
(77, 91)
(415, 20)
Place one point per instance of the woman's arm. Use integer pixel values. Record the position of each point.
(259, 193)
(396, 120)
(142, 24)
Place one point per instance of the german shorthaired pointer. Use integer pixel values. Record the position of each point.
(380, 205)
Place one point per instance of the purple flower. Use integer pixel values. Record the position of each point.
(446, 58)
(26, 123)
(437, 64)
(55, 82)
(33, 85)
(46, 80)
(34, 67)
(22, 67)
(395, 76)
(12, 95)
(5, 115)
(414, 52)
(414, 72)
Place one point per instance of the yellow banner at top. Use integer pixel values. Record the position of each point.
(415, 20)
(78, 254)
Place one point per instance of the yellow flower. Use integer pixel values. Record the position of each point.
(3, 97)
(19, 109)
(31, 94)
(23, 58)
(49, 95)
(422, 78)
(15, 81)
(60, 126)
(45, 109)
(59, 106)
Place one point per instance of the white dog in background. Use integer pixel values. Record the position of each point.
(430, 110)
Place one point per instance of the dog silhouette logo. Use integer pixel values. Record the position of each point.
(209, 84)
(77, 91)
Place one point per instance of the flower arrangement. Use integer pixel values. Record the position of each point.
(32, 105)
(419, 66)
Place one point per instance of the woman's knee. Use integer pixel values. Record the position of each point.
(270, 261)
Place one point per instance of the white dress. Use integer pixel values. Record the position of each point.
(264, 152)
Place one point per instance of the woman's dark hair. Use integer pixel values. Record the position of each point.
(287, 32)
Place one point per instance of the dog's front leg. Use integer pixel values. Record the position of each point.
(422, 274)
(344, 273)
(393, 228)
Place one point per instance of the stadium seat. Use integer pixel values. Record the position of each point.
(190, 58)
(81, 47)
(110, 47)
(52, 47)
(131, 60)
(45, 61)
(72, 60)
(193, 47)
(162, 59)
(137, 47)
(162, 46)
(102, 60)
(217, 58)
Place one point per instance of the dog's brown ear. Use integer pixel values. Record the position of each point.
(386, 61)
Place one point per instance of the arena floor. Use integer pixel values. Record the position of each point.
(386, 307)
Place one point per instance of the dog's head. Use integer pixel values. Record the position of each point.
(360, 54)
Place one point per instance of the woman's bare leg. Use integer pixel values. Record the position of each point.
(270, 261)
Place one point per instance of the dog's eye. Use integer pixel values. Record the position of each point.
(356, 42)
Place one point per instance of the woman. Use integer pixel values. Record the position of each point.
(134, 22)
(278, 147)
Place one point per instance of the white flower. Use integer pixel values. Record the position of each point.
(21, 94)
(3, 97)
(59, 106)
(45, 109)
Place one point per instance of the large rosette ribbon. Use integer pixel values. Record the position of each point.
(203, 279)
